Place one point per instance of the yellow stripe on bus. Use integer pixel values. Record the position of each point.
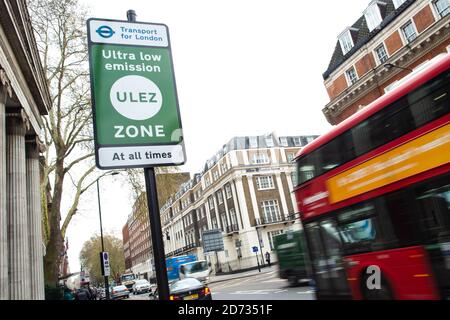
(424, 153)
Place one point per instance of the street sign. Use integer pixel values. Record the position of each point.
(137, 121)
(212, 240)
(104, 262)
(255, 249)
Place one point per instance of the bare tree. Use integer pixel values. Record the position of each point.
(60, 33)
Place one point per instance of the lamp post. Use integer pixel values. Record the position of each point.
(389, 66)
(101, 231)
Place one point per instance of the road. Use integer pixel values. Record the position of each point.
(264, 286)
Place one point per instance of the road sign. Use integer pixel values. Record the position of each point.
(137, 121)
(255, 249)
(212, 241)
(104, 261)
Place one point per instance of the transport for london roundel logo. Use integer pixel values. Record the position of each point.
(105, 31)
(136, 97)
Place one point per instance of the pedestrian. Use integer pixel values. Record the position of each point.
(268, 258)
(82, 294)
(68, 294)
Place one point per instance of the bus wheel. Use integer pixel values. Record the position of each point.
(384, 292)
(293, 281)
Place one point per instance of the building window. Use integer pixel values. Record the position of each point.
(211, 203)
(309, 139)
(351, 76)
(207, 181)
(271, 235)
(442, 7)
(215, 175)
(284, 142)
(373, 16)
(269, 142)
(253, 142)
(234, 221)
(409, 32)
(260, 158)
(381, 53)
(398, 3)
(224, 167)
(264, 183)
(219, 197)
(346, 41)
(228, 192)
(297, 142)
(224, 221)
(271, 211)
(290, 157)
(294, 178)
(214, 222)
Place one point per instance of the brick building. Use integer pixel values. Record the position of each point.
(389, 41)
(126, 246)
(136, 234)
(245, 190)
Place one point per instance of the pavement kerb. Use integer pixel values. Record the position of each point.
(240, 277)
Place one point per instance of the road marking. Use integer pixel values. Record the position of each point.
(275, 280)
(264, 291)
(306, 292)
(280, 291)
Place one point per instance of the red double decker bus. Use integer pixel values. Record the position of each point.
(374, 195)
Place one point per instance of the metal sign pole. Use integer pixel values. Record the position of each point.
(156, 231)
(155, 220)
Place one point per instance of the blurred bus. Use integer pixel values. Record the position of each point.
(374, 195)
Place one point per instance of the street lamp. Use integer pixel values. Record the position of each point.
(101, 229)
(389, 66)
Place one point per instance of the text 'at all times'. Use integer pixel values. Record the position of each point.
(139, 156)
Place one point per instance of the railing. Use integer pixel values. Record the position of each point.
(275, 219)
(232, 228)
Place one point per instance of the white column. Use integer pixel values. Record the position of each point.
(240, 196)
(236, 205)
(34, 222)
(251, 188)
(18, 245)
(4, 288)
(282, 195)
(291, 189)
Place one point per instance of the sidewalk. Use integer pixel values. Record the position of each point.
(245, 274)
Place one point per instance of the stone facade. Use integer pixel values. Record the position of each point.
(24, 98)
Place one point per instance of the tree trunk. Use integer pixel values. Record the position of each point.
(54, 248)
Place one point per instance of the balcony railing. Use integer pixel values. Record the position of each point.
(274, 219)
(232, 229)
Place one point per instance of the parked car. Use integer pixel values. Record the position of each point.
(119, 292)
(186, 289)
(141, 286)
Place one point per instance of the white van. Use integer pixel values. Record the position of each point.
(199, 270)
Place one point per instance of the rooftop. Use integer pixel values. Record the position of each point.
(361, 34)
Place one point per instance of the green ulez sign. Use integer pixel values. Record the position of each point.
(136, 115)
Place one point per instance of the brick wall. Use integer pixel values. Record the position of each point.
(423, 19)
(393, 43)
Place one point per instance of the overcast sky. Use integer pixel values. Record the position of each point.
(247, 67)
